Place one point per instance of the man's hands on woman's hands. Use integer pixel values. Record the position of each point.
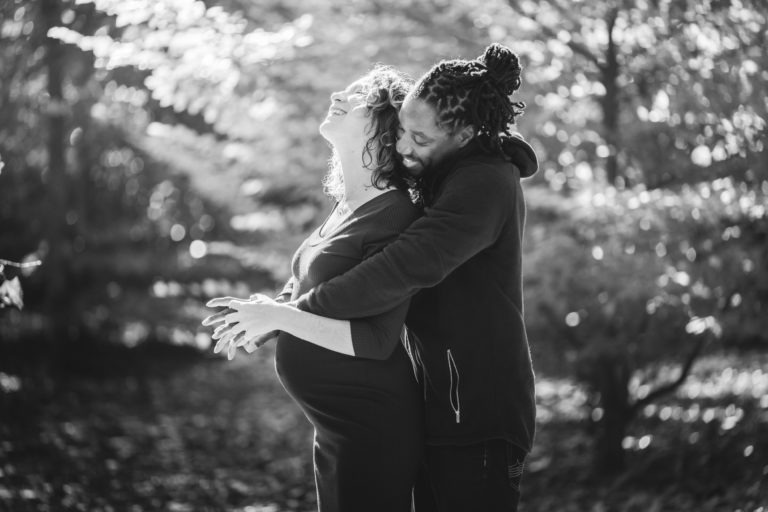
(243, 323)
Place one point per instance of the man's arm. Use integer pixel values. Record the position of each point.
(467, 217)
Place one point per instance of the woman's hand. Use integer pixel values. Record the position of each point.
(260, 314)
(251, 339)
(246, 320)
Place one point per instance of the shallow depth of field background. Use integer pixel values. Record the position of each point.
(157, 153)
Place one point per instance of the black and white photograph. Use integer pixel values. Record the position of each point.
(383, 256)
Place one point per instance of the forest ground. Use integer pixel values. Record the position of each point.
(159, 429)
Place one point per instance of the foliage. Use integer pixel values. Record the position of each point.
(10, 288)
(126, 202)
(643, 92)
(202, 61)
(694, 252)
(10, 292)
(620, 283)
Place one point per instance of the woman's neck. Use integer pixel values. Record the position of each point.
(358, 188)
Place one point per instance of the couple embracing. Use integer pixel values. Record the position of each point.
(400, 333)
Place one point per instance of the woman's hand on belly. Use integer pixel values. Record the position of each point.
(241, 327)
(261, 314)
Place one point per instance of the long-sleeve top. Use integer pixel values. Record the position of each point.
(367, 410)
(464, 258)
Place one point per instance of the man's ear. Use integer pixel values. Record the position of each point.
(464, 135)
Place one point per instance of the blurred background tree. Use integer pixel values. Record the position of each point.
(158, 153)
(651, 92)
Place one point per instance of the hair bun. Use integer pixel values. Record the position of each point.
(503, 67)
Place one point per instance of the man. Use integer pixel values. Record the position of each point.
(461, 262)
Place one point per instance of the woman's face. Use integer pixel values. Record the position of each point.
(348, 119)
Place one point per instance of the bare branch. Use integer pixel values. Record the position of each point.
(734, 166)
(672, 386)
(26, 264)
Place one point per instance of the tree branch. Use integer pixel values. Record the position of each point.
(735, 166)
(27, 264)
(576, 47)
(671, 386)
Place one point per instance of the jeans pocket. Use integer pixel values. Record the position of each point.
(515, 474)
(515, 466)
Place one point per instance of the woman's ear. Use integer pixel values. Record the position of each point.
(464, 135)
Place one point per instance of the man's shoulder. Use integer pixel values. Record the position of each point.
(486, 170)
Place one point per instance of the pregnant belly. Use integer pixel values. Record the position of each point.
(327, 384)
(306, 370)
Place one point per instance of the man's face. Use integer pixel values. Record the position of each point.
(422, 143)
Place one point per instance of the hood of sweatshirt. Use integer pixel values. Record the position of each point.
(515, 150)
(521, 154)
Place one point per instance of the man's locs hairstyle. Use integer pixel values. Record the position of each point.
(475, 93)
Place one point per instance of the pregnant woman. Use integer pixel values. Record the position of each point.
(353, 379)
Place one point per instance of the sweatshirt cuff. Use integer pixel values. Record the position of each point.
(366, 343)
(303, 302)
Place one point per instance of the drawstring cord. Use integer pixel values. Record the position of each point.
(452, 368)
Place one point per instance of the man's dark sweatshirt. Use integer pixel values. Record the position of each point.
(461, 262)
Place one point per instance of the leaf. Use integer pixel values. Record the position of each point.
(10, 294)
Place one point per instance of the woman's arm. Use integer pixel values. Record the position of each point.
(372, 338)
(263, 315)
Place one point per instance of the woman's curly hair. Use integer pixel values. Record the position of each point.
(385, 88)
(475, 93)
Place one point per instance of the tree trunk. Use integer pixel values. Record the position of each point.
(56, 261)
(611, 105)
(611, 380)
(84, 156)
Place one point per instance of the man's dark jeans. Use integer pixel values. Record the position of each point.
(479, 477)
